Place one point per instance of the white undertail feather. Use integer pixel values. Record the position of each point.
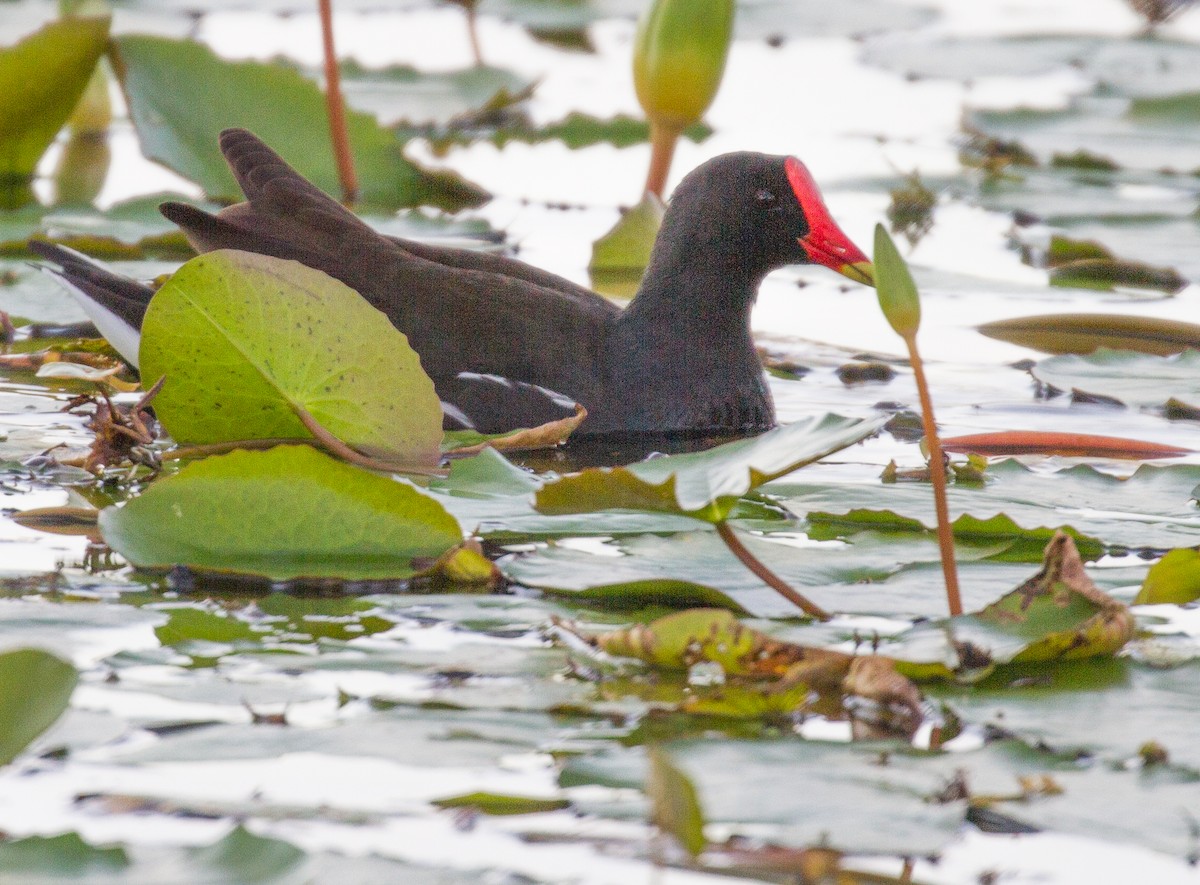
(124, 338)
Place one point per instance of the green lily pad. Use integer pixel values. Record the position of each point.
(35, 688)
(494, 498)
(289, 512)
(1013, 543)
(704, 485)
(247, 342)
(41, 79)
(181, 95)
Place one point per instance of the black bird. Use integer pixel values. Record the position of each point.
(498, 337)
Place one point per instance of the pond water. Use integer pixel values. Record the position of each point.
(395, 700)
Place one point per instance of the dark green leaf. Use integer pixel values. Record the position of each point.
(41, 80)
(181, 95)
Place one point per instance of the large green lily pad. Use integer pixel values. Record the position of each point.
(247, 341)
(289, 512)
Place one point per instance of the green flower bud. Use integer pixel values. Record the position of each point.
(679, 57)
(894, 284)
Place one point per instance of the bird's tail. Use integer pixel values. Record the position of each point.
(116, 304)
(284, 215)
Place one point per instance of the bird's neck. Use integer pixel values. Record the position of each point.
(697, 287)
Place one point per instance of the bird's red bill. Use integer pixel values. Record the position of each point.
(825, 243)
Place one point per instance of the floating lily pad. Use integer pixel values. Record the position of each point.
(704, 485)
(289, 512)
(247, 342)
(181, 95)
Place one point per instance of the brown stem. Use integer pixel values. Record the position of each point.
(335, 446)
(663, 139)
(337, 108)
(768, 577)
(937, 473)
(473, 33)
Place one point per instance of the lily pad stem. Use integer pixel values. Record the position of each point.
(339, 449)
(337, 108)
(768, 577)
(937, 474)
(663, 138)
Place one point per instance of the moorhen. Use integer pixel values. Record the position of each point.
(500, 338)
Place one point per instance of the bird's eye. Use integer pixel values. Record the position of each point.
(765, 198)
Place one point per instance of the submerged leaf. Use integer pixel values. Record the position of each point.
(704, 485)
(290, 512)
(41, 80)
(247, 342)
(1086, 332)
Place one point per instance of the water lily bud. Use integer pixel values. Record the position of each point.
(894, 284)
(679, 57)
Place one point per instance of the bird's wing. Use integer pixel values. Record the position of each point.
(462, 311)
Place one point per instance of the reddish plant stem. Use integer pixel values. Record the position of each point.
(663, 139)
(335, 446)
(768, 577)
(937, 473)
(473, 33)
(338, 135)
